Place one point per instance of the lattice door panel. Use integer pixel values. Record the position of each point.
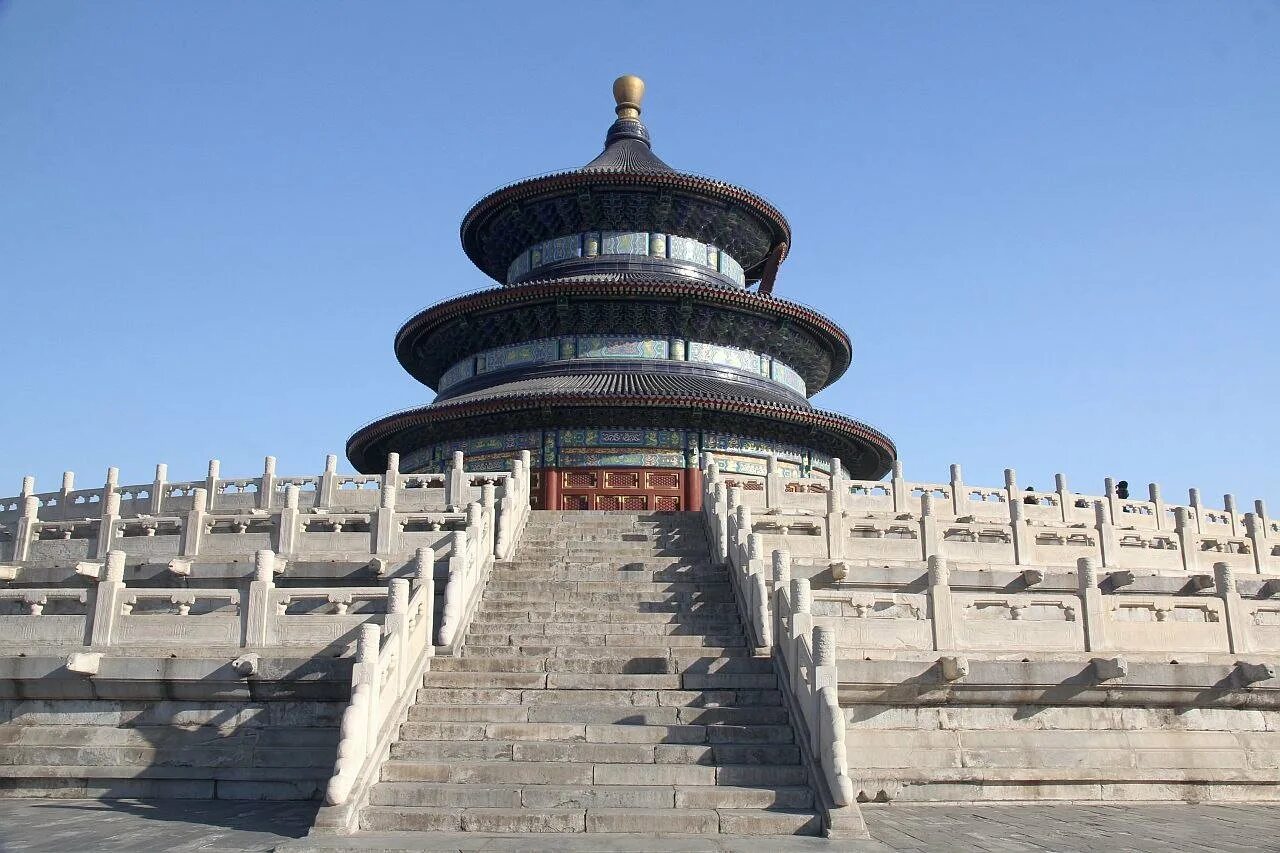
(623, 489)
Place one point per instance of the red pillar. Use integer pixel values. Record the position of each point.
(550, 488)
(692, 489)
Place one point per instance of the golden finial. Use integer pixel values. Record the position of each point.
(628, 90)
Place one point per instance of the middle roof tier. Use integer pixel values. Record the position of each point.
(447, 347)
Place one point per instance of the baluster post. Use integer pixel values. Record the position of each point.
(267, 485)
(328, 488)
(107, 524)
(772, 483)
(28, 526)
(211, 484)
(193, 525)
(899, 485)
(940, 605)
(1157, 501)
(1224, 580)
(1092, 609)
(385, 528)
(456, 489)
(959, 501)
(259, 615)
(107, 600)
(1186, 529)
(158, 485)
(68, 486)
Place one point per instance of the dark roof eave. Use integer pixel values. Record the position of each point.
(497, 297)
(387, 426)
(573, 179)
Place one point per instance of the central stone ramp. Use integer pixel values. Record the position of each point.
(605, 686)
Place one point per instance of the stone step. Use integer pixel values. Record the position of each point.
(688, 605)
(633, 532)
(613, 580)
(755, 821)
(611, 535)
(17, 734)
(682, 821)
(485, 680)
(661, 544)
(501, 601)
(498, 820)
(466, 715)
(587, 519)
(612, 543)
(687, 821)
(628, 819)
(594, 753)
(500, 772)
(628, 716)
(631, 514)
(629, 594)
(524, 796)
(601, 681)
(228, 775)
(647, 570)
(633, 564)
(574, 652)
(193, 757)
(573, 589)
(598, 538)
(596, 697)
(546, 732)
(624, 578)
(661, 663)
(689, 537)
(528, 638)
(609, 622)
(575, 773)
(568, 611)
(730, 797)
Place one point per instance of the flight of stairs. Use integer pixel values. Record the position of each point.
(604, 686)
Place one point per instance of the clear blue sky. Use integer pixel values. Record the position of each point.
(1052, 229)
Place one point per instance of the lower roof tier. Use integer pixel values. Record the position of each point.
(864, 452)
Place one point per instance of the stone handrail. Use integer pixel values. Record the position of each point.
(379, 514)
(111, 614)
(260, 620)
(487, 528)
(161, 497)
(469, 567)
(855, 523)
(741, 551)
(390, 660)
(898, 613)
(385, 678)
(807, 655)
(956, 499)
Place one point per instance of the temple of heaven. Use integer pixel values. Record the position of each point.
(633, 328)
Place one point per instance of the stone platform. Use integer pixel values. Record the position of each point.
(149, 826)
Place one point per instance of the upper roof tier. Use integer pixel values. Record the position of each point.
(658, 216)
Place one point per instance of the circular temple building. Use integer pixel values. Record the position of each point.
(633, 329)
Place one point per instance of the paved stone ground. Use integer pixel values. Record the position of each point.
(187, 826)
(88, 826)
(1076, 827)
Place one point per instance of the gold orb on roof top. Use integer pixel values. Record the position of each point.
(628, 91)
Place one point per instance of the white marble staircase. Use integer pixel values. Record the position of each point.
(604, 686)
